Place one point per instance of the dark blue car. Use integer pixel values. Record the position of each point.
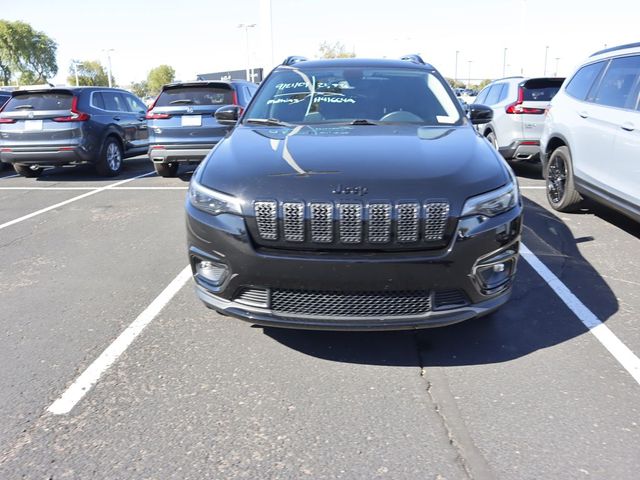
(182, 125)
(69, 126)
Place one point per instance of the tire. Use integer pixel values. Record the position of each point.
(166, 169)
(109, 163)
(561, 191)
(491, 137)
(27, 171)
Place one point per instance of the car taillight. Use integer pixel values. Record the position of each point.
(516, 107)
(156, 116)
(76, 115)
(7, 120)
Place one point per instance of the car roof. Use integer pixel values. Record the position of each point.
(66, 89)
(203, 83)
(358, 62)
(620, 49)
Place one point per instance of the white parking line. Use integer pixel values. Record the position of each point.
(10, 176)
(92, 188)
(79, 197)
(92, 374)
(629, 361)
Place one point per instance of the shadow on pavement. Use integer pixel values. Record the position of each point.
(86, 173)
(534, 319)
(527, 170)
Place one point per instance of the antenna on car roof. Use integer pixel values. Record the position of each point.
(413, 57)
(294, 59)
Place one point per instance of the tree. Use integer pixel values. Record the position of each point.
(335, 50)
(484, 83)
(455, 83)
(25, 52)
(140, 89)
(159, 76)
(90, 73)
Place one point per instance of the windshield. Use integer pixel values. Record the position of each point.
(195, 96)
(337, 95)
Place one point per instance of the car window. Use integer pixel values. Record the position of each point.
(483, 95)
(200, 95)
(39, 101)
(503, 93)
(3, 99)
(619, 82)
(540, 89)
(135, 105)
(494, 94)
(114, 102)
(97, 100)
(345, 94)
(579, 86)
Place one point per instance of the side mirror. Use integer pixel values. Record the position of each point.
(479, 114)
(228, 115)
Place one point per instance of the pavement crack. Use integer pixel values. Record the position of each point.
(469, 457)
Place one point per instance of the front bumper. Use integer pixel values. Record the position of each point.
(178, 153)
(45, 156)
(224, 240)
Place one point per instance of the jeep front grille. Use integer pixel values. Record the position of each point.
(352, 223)
(350, 304)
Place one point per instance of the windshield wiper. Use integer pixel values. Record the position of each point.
(25, 107)
(268, 121)
(182, 100)
(363, 121)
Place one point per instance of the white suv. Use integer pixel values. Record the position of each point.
(519, 106)
(591, 136)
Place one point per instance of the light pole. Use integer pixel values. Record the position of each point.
(75, 70)
(556, 72)
(504, 62)
(546, 53)
(455, 74)
(246, 27)
(108, 51)
(469, 77)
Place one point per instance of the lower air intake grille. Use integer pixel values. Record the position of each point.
(449, 299)
(258, 297)
(350, 304)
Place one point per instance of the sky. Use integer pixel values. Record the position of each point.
(200, 36)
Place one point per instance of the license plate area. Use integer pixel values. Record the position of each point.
(191, 120)
(32, 125)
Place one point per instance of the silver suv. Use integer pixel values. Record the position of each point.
(519, 106)
(591, 138)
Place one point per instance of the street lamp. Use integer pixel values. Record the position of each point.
(504, 63)
(469, 77)
(556, 72)
(246, 27)
(74, 63)
(546, 52)
(108, 52)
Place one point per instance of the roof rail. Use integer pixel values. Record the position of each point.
(413, 57)
(294, 59)
(613, 49)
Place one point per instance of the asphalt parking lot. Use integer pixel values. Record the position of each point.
(529, 392)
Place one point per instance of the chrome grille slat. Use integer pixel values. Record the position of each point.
(267, 219)
(321, 218)
(350, 222)
(379, 222)
(436, 215)
(293, 220)
(407, 222)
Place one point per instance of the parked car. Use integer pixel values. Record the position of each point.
(182, 125)
(519, 105)
(591, 138)
(354, 194)
(69, 126)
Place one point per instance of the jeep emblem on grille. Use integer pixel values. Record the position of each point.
(355, 190)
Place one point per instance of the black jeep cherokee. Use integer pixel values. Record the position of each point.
(354, 194)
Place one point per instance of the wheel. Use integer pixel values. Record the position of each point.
(110, 162)
(561, 190)
(27, 171)
(491, 137)
(166, 169)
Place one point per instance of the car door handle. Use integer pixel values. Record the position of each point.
(116, 118)
(583, 114)
(628, 126)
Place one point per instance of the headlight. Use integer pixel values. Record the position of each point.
(493, 203)
(211, 201)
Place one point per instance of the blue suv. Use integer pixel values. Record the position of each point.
(182, 123)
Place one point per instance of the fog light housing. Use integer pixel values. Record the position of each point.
(211, 272)
(494, 274)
